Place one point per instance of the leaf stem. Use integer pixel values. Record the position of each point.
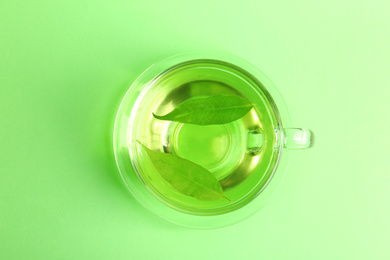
(227, 198)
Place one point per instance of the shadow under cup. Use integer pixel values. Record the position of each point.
(243, 155)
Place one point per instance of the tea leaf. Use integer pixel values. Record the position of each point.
(185, 176)
(212, 110)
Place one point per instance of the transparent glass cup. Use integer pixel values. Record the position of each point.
(251, 156)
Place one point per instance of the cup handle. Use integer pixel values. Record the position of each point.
(298, 138)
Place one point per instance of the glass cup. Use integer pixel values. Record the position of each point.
(249, 157)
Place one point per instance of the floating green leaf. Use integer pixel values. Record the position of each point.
(185, 176)
(212, 110)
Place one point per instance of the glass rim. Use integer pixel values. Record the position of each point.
(140, 191)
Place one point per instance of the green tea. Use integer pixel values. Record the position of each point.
(240, 154)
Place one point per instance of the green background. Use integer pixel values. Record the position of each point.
(65, 65)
